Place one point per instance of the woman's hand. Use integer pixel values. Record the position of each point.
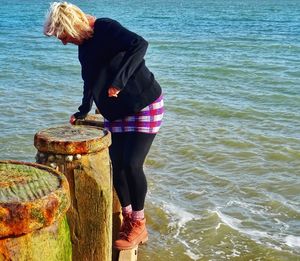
(72, 119)
(113, 91)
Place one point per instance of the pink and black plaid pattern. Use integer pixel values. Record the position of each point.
(148, 120)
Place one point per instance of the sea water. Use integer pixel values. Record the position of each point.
(223, 173)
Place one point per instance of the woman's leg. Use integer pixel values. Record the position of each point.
(128, 152)
(136, 148)
(116, 151)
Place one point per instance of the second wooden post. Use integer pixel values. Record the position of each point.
(81, 153)
(124, 255)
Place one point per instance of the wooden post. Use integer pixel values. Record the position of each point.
(91, 120)
(117, 221)
(33, 204)
(125, 255)
(128, 255)
(81, 153)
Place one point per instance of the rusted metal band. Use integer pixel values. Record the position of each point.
(32, 196)
(70, 139)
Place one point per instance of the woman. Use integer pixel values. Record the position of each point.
(127, 95)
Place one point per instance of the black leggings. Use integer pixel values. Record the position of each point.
(128, 152)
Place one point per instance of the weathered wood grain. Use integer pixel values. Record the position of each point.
(81, 153)
(33, 203)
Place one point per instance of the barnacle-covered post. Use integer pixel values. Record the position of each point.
(128, 255)
(81, 153)
(98, 120)
(33, 204)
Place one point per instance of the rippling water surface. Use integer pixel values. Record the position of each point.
(223, 173)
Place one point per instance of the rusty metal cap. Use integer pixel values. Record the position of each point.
(32, 196)
(69, 139)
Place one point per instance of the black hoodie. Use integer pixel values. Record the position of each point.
(114, 56)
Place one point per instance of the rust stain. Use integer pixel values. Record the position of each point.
(71, 140)
(19, 218)
(50, 210)
(4, 250)
(16, 220)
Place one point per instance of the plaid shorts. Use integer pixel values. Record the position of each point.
(148, 120)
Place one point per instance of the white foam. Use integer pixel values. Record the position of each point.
(193, 256)
(220, 253)
(179, 215)
(253, 208)
(235, 253)
(235, 224)
(180, 218)
(292, 241)
(218, 226)
(259, 236)
(196, 241)
(229, 221)
(201, 192)
(283, 226)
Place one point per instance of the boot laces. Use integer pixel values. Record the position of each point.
(126, 227)
(129, 230)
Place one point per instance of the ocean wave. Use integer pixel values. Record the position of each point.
(278, 241)
(179, 218)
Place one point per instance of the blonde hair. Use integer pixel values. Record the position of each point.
(65, 19)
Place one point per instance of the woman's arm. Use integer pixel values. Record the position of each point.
(134, 48)
(86, 104)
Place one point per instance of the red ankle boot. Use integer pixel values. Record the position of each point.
(125, 223)
(134, 233)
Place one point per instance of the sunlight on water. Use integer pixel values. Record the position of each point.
(223, 173)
